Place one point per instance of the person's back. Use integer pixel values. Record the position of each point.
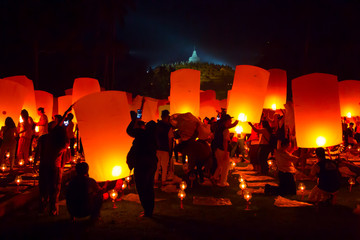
(329, 176)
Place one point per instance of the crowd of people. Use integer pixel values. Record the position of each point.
(206, 148)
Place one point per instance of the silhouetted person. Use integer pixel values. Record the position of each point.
(83, 196)
(43, 122)
(143, 154)
(25, 133)
(50, 151)
(8, 134)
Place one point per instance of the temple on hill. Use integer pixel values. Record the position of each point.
(194, 58)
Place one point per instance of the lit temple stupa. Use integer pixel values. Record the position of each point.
(194, 58)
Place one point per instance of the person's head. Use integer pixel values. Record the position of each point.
(285, 143)
(165, 115)
(150, 127)
(320, 153)
(9, 122)
(82, 169)
(57, 118)
(70, 117)
(351, 125)
(40, 111)
(24, 114)
(226, 120)
(206, 120)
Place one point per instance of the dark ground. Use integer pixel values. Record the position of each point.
(263, 221)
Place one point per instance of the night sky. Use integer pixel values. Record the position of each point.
(91, 38)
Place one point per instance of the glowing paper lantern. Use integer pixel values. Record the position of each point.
(68, 91)
(247, 95)
(349, 93)
(103, 118)
(185, 91)
(208, 104)
(223, 103)
(317, 110)
(150, 109)
(64, 102)
(12, 97)
(29, 103)
(84, 86)
(45, 100)
(276, 90)
(136, 103)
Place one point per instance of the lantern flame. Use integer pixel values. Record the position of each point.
(21, 120)
(348, 115)
(239, 129)
(183, 185)
(21, 162)
(247, 195)
(301, 187)
(242, 185)
(181, 194)
(116, 171)
(273, 107)
(320, 141)
(37, 129)
(113, 194)
(242, 117)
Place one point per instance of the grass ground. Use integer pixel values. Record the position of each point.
(264, 220)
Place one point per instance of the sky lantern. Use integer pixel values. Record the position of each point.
(276, 90)
(185, 91)
(349, 93)
(103, 118)
(136, 103)
(12, 97)
(317, 110)
(223, 103)
(84, 86)
(150, 109)
(45, 100)
(64, 102)
(208, 104)
(246, 100)
(29, 103)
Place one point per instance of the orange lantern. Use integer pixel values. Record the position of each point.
(55, 107)
(185, 91)
(349, 93)
(317, 110)
(276, 90)
(150, 109)
(68, 91)
(136, 103)
(64, 102)
(103, 118)
(208, 104)
(247, 95)
(45, 100)
(223, 103)
(84, 86)
(29, 103)
(12, 97)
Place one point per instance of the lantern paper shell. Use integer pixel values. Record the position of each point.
(150, 109)
(185, 91)
(12, 97)
(103, 118)
(64, 102)
(83, 87)
(208, 104)
(29, 103)
(136, 103)
(247, 95)
(317, 110)
(349, 93)
(45, 100)
(276, 90)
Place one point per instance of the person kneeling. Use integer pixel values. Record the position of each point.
(84, 196)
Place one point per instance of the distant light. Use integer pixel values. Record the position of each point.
(273, 107)
(116, 171)
(320, 141)
(239, 129)
(348, 115)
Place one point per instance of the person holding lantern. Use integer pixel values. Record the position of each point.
(328, 175)
(264, 145)
(221, 146)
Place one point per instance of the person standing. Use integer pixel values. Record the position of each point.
(142, 157)
(25, 133)
(43, 122)
(8, 134)
(164, 138)
(51, 151)
(221, 145)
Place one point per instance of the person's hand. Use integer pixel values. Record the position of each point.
(133, 115)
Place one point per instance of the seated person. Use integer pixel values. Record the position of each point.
(84, 196)
(328, 178)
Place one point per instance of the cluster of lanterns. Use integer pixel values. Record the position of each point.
(245, 193)
(181, 193)
(113, 194)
